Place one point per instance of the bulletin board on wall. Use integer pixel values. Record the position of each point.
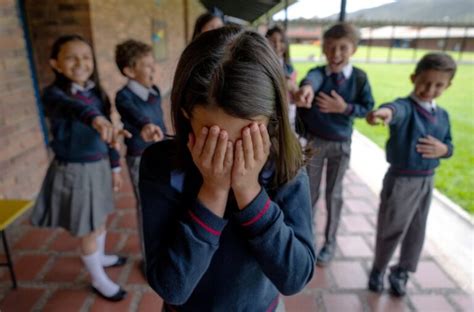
(159, 40)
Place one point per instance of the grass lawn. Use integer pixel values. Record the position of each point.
(379, 53)
(454, 177)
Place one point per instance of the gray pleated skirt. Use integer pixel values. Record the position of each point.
(75, 196)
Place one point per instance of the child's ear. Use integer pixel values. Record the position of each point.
(412, 78)
(54, 64)
(129, 72)
(354, 50)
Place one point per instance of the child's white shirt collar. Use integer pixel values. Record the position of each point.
(346, 70)
(75, 87)
(140, 90)
(427, 105)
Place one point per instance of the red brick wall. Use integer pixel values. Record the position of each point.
(114, 21)
(22, 152)
(49, 19)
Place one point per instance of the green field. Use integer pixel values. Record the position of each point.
(454, 177)
(306, 50)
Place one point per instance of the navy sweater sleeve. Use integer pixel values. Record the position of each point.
(57, 104)
(364, 102)
(127, 110)
(399, 111)
(448, 139)
(280, 235)
(180, 236)
(313, 78)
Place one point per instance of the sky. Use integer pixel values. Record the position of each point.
(324, 8)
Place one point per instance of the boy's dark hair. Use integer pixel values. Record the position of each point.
(277, 29)
(205, 18)
(237, 71)
(129, 52)
(343, 30)
(64, 83)
(436, 61)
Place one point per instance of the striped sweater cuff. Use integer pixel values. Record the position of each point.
(257, 216)
(205, 224)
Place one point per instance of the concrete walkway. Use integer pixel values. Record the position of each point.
(52, 278)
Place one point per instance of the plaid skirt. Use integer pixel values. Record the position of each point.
(75, 196)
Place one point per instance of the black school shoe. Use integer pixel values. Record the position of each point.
(376, 281)
(120, 261)
(119, 295)
(398, 279)
(325, 255)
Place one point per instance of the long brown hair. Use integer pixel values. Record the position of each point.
(237, 71)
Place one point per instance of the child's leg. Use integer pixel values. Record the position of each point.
(107, 260)
(133, 164)
(315, 169)
(91, 258)
(397, 208)
(412, 243)
(336, 168)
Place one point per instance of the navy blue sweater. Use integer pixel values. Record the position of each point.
(197, 261)
(74, 139)
(135, 114)
(410, 123)
(333, 126)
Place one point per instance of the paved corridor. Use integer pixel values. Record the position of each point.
(52, 278)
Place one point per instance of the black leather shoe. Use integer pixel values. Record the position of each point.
(325, 255)
(376, 281)
(116, 297)
(398, 279)
(120, 261)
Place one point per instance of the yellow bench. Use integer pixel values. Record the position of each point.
(10, 210)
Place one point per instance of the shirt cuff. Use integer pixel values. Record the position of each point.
(305, 82)
(89, 116)
(257, 216)
(116, 169)
(205, 224)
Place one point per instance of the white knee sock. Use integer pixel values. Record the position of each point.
(100, 280)
(105, 260)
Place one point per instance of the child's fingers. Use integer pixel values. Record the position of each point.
(425, 140)
(247, 147)
(335, 95)
(191, 141)
(323, 96)
(210, 145)
(257, 143)
(265, 139)
(220, 150)
(238, 156)
(229, 156)
(200, 140)
(159, 133)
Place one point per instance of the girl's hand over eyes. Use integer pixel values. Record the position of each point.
(251, 153)
(212, 153)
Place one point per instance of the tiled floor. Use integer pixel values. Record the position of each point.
(52, 278)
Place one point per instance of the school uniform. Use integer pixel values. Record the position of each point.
(329, 134)
(138, 106)
(76, 193)
(197, 261)
(408, 184)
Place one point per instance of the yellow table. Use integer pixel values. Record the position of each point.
(10, 210)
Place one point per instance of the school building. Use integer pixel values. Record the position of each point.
(27, 31)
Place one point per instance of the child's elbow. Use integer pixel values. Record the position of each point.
(295, 284)
(171, 293)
